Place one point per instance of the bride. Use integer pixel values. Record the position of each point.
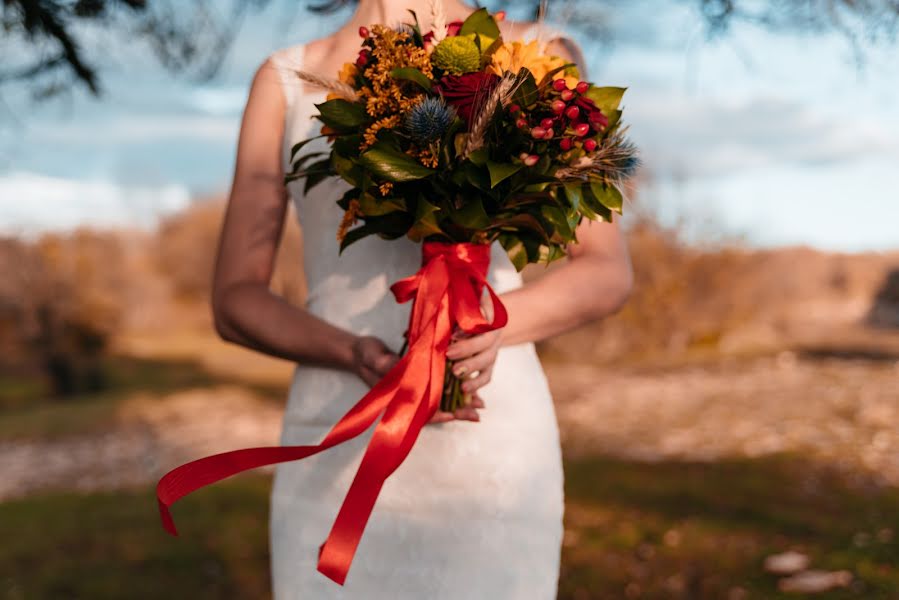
(475, 511)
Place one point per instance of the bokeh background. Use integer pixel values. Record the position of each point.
(730, 434)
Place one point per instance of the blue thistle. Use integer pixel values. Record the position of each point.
(428, 120)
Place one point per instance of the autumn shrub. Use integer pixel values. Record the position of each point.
(186, 245)
(61, 299)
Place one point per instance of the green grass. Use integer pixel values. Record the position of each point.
(690, 530)
(671, 530)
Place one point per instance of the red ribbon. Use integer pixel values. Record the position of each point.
(446, 292)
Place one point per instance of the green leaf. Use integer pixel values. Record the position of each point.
(608, 195)
(373, 206)
(480, 21)
(412, 74)
(299, 145)
(476, 176)
(479, 157)
(347, 145)
(389, 226)
(342, 115)
(556, 217)
(522, 222)
(501, 171)
(471, 215)
(424, 223)
(393, 165)
(606, 98)
(356, 234)
(592, 207)
(546, 79)
(515, 249)
(347, 169)
(297, 165)
(527, 93)
(573, 194)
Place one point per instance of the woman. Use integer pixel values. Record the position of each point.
(475, 511)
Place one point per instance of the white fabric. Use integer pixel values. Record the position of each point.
(476, 509)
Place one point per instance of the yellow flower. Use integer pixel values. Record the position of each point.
(347, 73)
(512, 56)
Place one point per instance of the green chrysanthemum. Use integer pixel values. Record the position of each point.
(457, 55)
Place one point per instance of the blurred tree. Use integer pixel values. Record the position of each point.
(47, 35)
(44, 40)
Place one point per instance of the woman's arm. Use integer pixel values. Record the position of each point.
(593, 283)
(245, 311)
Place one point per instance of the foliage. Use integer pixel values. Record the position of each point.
(529, 152)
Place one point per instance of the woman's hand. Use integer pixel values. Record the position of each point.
(474, 356)
(372, 359)
(474, 359)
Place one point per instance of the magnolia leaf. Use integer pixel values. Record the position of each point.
(297, 165)
(522, 222)
(424, 222)
(609, 195)
(574, 194)
(606, 98)
(393, 165)
(414, 75)
(354, 235)
(479, 157)
(527, 93)
(592, 207)
(299, 145)
(373, 206)
(480, 21)
(471, 215)
(557, 218)
(342, 115)
(501, 171)
(515, 249)
(347, 145)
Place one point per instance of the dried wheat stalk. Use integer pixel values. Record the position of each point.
(438, 20)
(499, 97)
(335, 86)
(613, 161)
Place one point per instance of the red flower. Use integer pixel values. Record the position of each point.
(453, 28)
(463, 91)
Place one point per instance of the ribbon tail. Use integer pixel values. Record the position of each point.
(393, 439)
(197, 474)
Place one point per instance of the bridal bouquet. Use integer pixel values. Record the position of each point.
(455, 138)
(458, 136)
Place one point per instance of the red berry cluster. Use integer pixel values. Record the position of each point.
(573, 117)
(365, 53)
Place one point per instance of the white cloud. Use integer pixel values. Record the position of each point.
(31, 203)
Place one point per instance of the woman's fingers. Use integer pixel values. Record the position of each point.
(441, 417)
(467, 413)
(478, 381)
(466, 347)
(478, 362)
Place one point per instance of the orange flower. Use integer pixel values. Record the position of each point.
(512, 56)
(348, 73)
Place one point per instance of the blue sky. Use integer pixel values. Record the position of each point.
(777, 139)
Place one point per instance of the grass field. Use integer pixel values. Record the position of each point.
(666, 530)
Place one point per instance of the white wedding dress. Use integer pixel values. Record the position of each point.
(475, 511)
